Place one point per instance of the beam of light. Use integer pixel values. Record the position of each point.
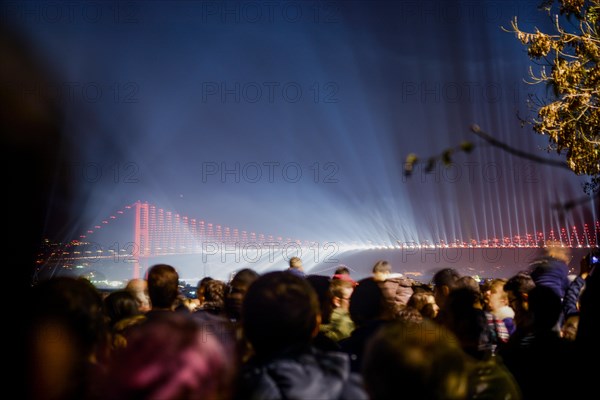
(390, 95)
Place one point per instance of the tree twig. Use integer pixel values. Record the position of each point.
(519, 153)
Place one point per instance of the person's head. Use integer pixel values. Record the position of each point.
(214, 291)
(296, 263)
(75, 303)
(545, 305)
(201, 288)
(443, 282)
(557, 251)
(344, 277)
(517, 291)
(320, 284)
(32, 122)
(418, 300)
(569, 328)
(463, 317)
(171, 357)
(551, 272)
(496, 296)
(119, 305)
(163, 286)
(422, 361)
(342, 270)
(469, 283)
(408, 315)
(341, 291)
(139, 289)
(430, 310)
(280, 311)
(214, 296)
(381, 270)
(236, 291)
(368, 303)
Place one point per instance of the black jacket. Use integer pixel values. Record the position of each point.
(308, 374)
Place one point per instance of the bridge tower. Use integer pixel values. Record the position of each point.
(141, 237)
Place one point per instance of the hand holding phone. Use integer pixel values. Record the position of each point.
(588, 264)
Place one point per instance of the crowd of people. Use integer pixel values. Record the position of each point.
(291, 335)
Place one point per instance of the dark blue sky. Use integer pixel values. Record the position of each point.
(314, 104)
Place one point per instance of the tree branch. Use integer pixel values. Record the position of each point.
(496, 143)
(568, 205)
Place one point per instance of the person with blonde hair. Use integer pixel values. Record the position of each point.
(496, 302)
(296, 267)
(552, 269)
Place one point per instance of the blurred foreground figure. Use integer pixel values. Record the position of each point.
(66, 337)
(423, 360)
(415, 361)
(170, 357)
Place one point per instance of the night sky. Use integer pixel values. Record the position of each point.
(311, 106)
